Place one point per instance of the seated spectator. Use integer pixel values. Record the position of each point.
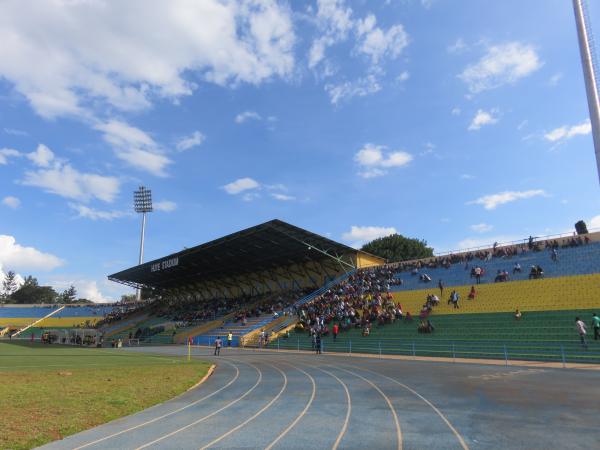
(366, 330)
(408, 317)
(517, 268)
(425, 278)
(518, 314)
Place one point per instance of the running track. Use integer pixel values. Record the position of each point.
(261, 400)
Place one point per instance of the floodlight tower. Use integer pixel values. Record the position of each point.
(142, 203)
(590, 70)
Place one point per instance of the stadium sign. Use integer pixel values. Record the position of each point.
(166, 264)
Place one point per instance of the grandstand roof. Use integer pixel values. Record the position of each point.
(261, 248)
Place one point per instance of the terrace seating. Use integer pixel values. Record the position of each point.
(580, 260)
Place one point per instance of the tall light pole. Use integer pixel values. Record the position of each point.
(142, 203)
(590, 70)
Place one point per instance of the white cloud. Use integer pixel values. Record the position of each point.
(482, 227)
(349, 89)
(85, 288)
(334, 21)
(483, 118)
(404, 76)
(165, 206)
(494, 200)
(487, 242)
(11, 202)
(282, 197)
(554, 79)
(502, 64)
(6, 153)
(377, 43)
(361, 235)
(42, 157)
(134, 146)
(374, 162)
(95, 214)
(455, 111)
(93, 53)
(466, 176)
(15, 132)
(458, 46)
(594, 223)
(241, 185)
(193, 140)
(247, 115)
(62, 179)
(14, 256)
(566, 132)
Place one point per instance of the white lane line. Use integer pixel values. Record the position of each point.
(262, 410)
(237, 374)
(202, 419)
(348, 409)
(385, 397)
(439, 413)
(297, 419)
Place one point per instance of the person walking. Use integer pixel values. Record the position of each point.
(229, 339)
(596, 326)
(318, 343)
(218, 345)
(581, 330)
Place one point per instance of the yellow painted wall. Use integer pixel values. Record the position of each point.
(366, 260)
(565, 293)
(49, 322)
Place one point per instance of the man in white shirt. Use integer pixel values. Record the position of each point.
(580, 327)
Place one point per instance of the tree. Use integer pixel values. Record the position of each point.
(9, 285)
(68, 295)
(396, 247)
(581, 227)
(32, 292)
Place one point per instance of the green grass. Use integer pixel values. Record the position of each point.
(49, 392)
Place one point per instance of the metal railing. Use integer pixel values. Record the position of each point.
(560, 352)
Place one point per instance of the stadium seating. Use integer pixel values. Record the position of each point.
(236, 328)
(580, 260)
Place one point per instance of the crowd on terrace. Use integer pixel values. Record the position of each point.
(360, 301)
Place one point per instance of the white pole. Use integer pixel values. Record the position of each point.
(589, 74)
(141, 259)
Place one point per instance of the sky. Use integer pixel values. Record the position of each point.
(458, 122)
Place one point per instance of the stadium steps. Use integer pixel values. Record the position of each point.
(564, 293)
(236, 329)
(582, 260)
(537, 336)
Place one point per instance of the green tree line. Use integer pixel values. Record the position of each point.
(30, 292)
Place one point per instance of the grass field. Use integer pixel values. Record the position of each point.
(49, 392)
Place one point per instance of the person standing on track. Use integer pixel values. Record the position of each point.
(229, 339)
(441, 286)
(218, 345)
(318, 343)
(580, 327)
(335, 330)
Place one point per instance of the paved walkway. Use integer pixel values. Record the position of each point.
(298, 401)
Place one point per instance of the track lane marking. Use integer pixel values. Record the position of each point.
(254, 416)
(348, 409)
(385, 397)
(297, 419)
(195, 402)
(202, 419)
(438, 412)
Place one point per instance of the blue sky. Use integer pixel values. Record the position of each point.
(460, 123)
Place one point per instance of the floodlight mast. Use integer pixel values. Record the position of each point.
(590, 70)
(142, 203)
